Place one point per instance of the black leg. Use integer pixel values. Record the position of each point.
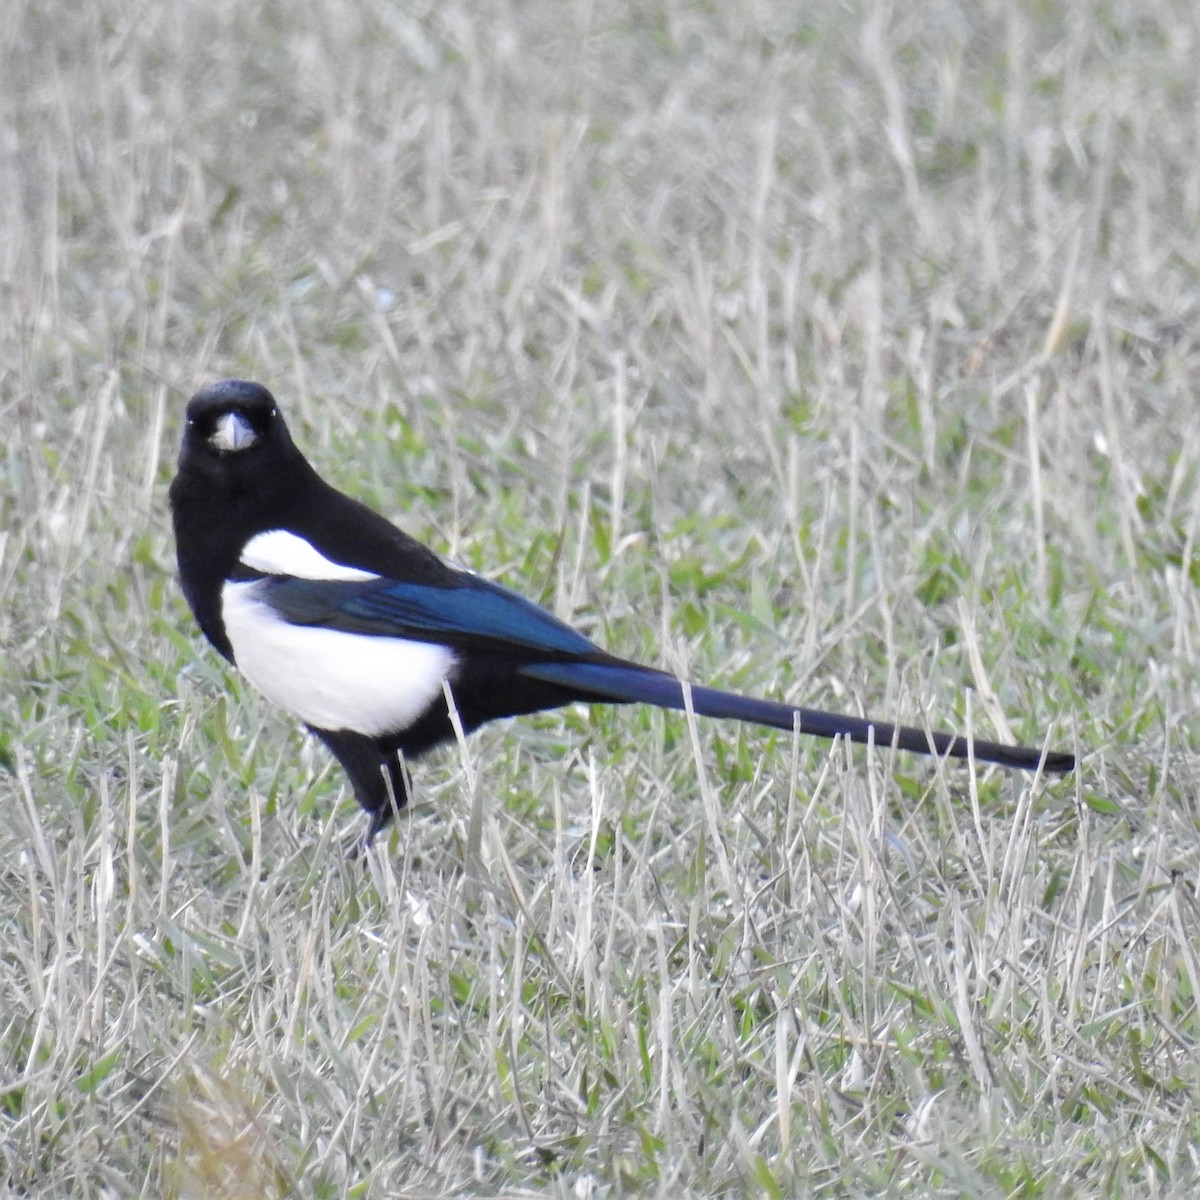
(365, 765)
(398, 774)
(398, 778)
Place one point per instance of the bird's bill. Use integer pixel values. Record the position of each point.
(232, 432)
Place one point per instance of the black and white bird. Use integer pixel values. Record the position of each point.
(357, 630)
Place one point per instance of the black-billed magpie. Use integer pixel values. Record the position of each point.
(355, 628)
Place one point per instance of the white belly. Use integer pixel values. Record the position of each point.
(330, 679)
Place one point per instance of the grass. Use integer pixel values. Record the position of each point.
(836, 353)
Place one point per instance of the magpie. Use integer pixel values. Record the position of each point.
(358, 630)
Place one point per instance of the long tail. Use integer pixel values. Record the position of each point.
(629, 684)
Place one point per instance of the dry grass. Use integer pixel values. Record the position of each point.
(832, 352)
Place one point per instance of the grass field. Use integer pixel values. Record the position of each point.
(837, 353)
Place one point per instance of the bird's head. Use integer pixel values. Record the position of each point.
(236, 447)
(232, 417)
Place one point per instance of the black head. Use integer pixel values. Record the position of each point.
(236, 451)
(239, 474)
(236, 438)
(231, 418)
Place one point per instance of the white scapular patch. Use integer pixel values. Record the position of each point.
(278, 552)
(328, 678)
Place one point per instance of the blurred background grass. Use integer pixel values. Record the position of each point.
(838, 353)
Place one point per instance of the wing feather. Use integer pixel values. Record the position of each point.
(474, 614)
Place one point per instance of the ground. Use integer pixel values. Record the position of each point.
(839, 353)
